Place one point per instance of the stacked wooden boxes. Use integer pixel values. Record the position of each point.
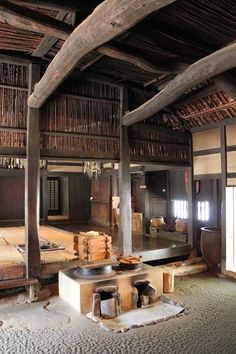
(93, 246)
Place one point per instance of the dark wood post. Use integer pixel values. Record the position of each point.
(32, 184)
(192, 207)
(223, 196)
(45, 195)
(125, 229)
(147, 215)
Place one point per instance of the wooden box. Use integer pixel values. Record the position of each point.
(92, 246)
(137, 222)
(181, 225)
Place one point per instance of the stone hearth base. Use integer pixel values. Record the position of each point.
(78, 292)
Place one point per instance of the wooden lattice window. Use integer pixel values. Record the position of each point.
(53, 196)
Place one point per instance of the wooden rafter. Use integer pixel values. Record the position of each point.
(68, 5)
(25, 18)
(49, 41)
(206, 68)
(140, 62)
(22, 17)
(91, 62)
(101, 26)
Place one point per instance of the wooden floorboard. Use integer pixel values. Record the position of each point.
(12, 265)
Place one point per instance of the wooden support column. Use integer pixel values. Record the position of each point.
(168, 204)
(45, 195)
(125, 230)
(32, 184)
(146, 205)
(192, 208)
(223, 196)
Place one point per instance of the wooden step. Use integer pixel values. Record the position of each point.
(17, 283)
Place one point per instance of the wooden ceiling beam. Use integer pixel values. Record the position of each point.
(98, 28)
(115, 53)
(68, 5)
(49, 41)
(30, 20)
(25, 18)
(16, 58)
(91, 62)
(157, 129)
(205, 68)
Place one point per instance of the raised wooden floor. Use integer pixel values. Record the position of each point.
(12, 262)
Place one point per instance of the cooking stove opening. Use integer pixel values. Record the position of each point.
(106, 302)
(144, 293)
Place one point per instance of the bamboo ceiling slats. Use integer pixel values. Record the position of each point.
(12, 38)
(90, 88)
(207, 108)
(159, 147)
(72, 144)
(82, 117)
(13, 108)
(12, 139)
(13, 104)
(86, 108)
(14, 75)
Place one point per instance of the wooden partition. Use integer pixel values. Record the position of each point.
(214, 151)
(206, 152)
(101, 201)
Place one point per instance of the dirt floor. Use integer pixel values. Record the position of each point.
(209, 326)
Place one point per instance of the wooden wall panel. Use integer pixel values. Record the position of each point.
(101, 202)
(79, 194)
(231, 161)
(209, 139)
(100, 188)
(177, 185)
(206, 165)
(100, 212)
(12, 196)
(156, 194)
(231, 182)
(231, 135)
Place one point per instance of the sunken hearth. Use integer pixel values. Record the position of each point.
(44, 246)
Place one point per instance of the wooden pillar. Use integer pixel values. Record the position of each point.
(45, 195)
(168, 199)
(125, 229)
(223, 196)
(147, 215)
(32, 184)
(192, 207)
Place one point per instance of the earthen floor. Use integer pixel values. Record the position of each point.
(53, 328)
